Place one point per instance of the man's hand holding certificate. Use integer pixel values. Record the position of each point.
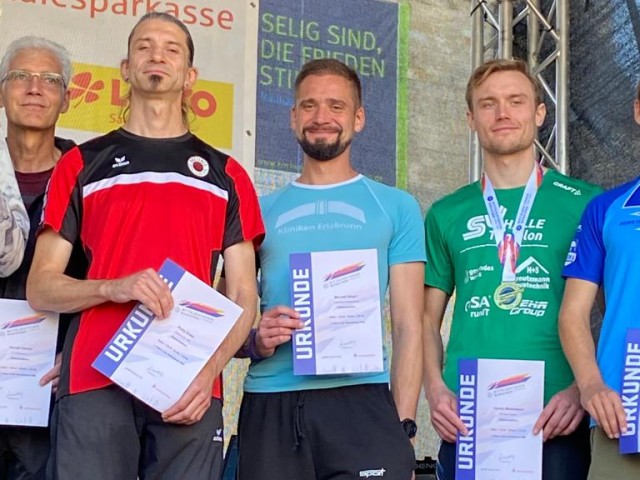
(337, 296)
(630, 395)
(156, 360)
(499, 402)
(27, 352)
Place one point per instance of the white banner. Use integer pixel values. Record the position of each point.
(95, 33)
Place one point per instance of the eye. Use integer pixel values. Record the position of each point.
(21, 76)
(50, 79)
(337, 107)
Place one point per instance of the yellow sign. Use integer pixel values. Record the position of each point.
(97, 105)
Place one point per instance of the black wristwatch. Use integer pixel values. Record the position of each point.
(409, 426)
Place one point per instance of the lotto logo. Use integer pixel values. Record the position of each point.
(98, 97)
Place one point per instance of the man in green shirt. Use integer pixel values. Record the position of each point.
(500, 243)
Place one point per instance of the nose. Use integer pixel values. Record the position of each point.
(501, 110)
(321, 114)
(157, 53)
(35, 85)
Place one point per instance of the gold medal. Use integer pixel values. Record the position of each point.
(508, 295)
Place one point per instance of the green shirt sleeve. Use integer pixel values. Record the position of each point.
(439, 271)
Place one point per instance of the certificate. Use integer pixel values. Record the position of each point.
(500, 401)
(156, 360)
(27, 352)
(337, 295)
(630, 395)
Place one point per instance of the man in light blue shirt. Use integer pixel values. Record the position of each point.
(347, 425)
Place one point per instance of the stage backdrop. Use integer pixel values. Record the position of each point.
(369, 36)
(95, 33)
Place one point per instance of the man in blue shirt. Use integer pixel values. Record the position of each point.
(604, 254)
(334, 426)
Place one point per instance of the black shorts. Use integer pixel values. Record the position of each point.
(24, 452)
(107, 434)
(338, 434)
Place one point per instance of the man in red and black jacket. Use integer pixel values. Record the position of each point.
(148, 191)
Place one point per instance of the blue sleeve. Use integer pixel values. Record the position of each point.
(407, 244)
(586, 256)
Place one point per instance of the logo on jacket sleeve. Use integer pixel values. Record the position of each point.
(198, 166)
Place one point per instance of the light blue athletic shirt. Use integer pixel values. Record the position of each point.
(357, 214)
(606, 252)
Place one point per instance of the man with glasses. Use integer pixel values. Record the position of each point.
(14, 222)
(34, 73)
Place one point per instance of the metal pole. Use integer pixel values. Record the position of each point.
(477, 57)
(505, 18)
(562, 86)
(533, 37)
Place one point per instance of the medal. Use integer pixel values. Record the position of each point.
(508, 295)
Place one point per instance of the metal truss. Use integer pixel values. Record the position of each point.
(496, 24)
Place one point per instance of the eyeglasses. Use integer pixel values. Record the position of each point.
(22, 77)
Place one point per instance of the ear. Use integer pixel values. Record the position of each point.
(636, 111)
(471, 121)
(292, 118)
(65, 101)
(541, 113)
(124, 69)
(191, 78)
(360, 120)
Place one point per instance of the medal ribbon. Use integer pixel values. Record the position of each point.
(509, 242)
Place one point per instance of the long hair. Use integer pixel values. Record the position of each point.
(187, 113)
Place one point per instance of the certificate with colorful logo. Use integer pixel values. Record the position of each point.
(500, 401)
(27, 352)
(337, 295)
(630, 395)
(156, 360)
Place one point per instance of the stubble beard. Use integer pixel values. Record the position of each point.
(509, 147)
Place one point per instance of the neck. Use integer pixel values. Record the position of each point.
(509, 171)
(328, 172)
(32, 151)
(155, 118)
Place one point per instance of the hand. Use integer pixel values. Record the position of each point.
(194, 402)
(53, 375)
(146, 287)
(605, 406)
(562, 415)
(276, 327)
(443, 405)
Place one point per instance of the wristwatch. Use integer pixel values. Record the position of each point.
(409, 426)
